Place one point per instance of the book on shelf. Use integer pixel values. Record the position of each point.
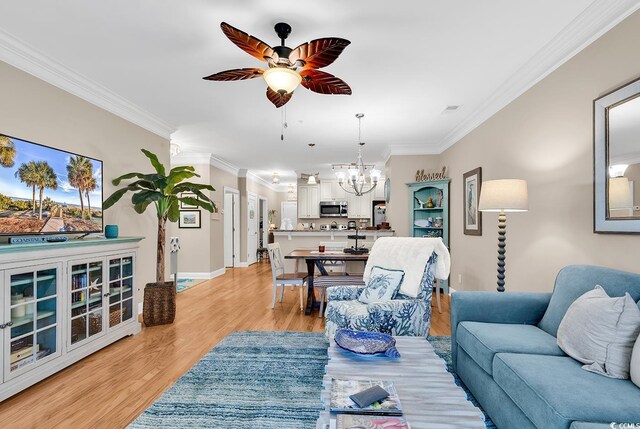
(29, 359)
(364, 421)
(21, 343)
(341, 389)
(23, 353)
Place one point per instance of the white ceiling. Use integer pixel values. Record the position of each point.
(407, 62)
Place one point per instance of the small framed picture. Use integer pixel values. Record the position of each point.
(185, 206)
(189, 219)
(472, 181)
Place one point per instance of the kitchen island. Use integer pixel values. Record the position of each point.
(310, 239)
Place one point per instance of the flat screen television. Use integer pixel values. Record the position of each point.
(48, 191)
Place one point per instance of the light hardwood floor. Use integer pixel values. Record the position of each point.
(110, 388)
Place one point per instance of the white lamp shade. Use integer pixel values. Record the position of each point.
(620, 193)
(509, 195)
(340, 175)
(311, 180)
(375, 175)
(282, 79)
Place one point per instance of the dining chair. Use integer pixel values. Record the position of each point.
(438, 289)
(282, 279)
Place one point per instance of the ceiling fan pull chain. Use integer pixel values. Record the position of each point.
(283, 116)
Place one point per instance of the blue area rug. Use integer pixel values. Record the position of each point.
(266, 380)
(250, 380)
(184, 284)
(442, 347)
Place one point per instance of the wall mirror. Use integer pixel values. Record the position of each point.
(617, 160)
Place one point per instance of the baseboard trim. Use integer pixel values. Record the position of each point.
(242, 265)
(202, 276)
(199, 276)
(452, 290)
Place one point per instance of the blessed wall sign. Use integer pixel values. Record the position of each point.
(421, 176)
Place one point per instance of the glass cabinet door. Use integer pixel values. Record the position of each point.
(33, 331)
(120, 290)
(86, 306)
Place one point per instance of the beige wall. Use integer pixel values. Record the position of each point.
(247, 185)
(195, 247)
(36, 111)
(202, 250)
(545, 136)
(402, 170)
(219, 179)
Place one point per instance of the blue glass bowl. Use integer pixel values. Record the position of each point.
(367, 343)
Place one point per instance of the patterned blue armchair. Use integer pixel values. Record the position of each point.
(402, 315)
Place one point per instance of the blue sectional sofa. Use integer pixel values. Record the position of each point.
(504, 349)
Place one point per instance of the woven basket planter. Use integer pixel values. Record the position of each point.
(159, 306)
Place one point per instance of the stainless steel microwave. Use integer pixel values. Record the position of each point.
(333, 209)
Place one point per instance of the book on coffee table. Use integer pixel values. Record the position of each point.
(359, 421)
(341, 389)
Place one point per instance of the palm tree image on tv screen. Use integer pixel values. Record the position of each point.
(45, 190)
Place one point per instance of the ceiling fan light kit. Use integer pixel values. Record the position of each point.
(282, 80)
(288, 67)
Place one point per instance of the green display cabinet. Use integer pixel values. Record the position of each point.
(429, 212)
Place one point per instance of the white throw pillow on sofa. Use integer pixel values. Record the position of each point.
(635, 363)
(600, 332)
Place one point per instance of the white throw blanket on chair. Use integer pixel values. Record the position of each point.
(409, 254)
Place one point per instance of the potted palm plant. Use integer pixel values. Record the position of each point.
(165, 191)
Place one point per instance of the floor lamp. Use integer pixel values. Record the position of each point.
(506, 195)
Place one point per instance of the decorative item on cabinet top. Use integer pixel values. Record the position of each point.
(421, 176)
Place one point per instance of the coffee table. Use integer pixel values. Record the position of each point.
(429, 396)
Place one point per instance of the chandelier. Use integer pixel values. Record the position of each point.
(352, 177)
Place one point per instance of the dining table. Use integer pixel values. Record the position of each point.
(315, 259)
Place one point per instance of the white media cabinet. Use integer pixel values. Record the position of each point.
(62, 302)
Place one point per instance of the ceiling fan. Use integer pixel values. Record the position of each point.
(288, 67)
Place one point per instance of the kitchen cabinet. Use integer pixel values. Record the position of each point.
(308, 202)
(359, 207)
(330, 190)
(378, 192)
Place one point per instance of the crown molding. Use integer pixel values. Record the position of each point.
(253, 176)
(195, 158)
(224, 166)
(200, 158)
(587, 27)
(26, 58)
(409, 149)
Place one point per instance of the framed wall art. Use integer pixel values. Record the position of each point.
(185, 206)
(189, 219)
(472, 218)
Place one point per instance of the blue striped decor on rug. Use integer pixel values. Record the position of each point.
(442, 347)
(256, 380)
(266, 380)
